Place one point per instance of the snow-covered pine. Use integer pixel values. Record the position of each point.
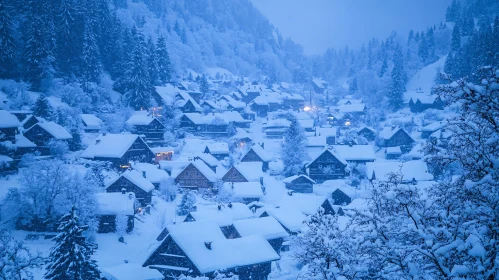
(71, 256)
(293, 152)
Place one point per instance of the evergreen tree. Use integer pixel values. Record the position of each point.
(384, 67)
(456, 38)
(354, 86)
(423, 49)
(186, 204)
(136, 84)
(453, 11)
(293, 152)
(203, 84)
(164, 64)
(397, 89)
(152, 62)
(8, 53)
(71, 256)
(75, 143)
(42, 108)
(68, 32)
(90, 61)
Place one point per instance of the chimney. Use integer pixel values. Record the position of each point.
(123, 190)
(350, 143)
(261, 181)
(144, 174)
(219, 207)
(97, 141)
(393, 127)
(230, 204)
(208, 245)
(262, 144)
(130, 196)
(290, 193)
(104, 133)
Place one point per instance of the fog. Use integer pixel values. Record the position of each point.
(321, 24)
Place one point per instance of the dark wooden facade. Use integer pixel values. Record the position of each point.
(142, 196)
(188, 107)
(326, 167)
(233, 175)
(9, 134)
(251, 156)
(152, 131)
(39, 136)
(31, 121)
(192, 177)
(107, 223)
(138, 151)
(367, 133)
(418, 106)
(402, 139)
(301, 185)
(340, 198)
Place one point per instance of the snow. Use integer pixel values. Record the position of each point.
(116, 203)
(433, 126)
(352, 108)
(130, 271)
(393, 151)
(387, 132)
(355, 152)
(268, 227)
(167, 93)
(217, 148)
(140, 118)
(23, 142)
(152, 172)
(252, 171)
(416, 169)
(136, 178)
(91, 121)
(307, 204)
(8, 120)
(294, 177)
(205, 170)
(245, 189)
(291, 218)
(226, 117)
(208, 159)
(326, 131)
(333, 153)
(319, 82)
(110, 146)
(5, 159)
(55, 130)
(424, 79)
(223, 217)
(358, 204)
(264, 155)
(306, 124)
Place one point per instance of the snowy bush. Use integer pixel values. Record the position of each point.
(168, 189)
(186, 204)
(121, 224)
(16, 260)
(58, 148)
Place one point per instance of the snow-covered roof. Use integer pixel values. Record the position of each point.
(225, 117)
(355, 152)
(152, 172)
(91, 121)
(319, 82)
(205, 170)
(261, 100)
(116, 203)
(278, 123)
(294, 177)
(316, 141)
(110, 145)
(268, 227)
(5, 159)
(232, 102)
(55, 130)
(416, 169)
(130, 271)
(167, 93)
(23, 142)
(223, 217)
(136, 178)
(393, 150)
(217, 148)
(208, 159)
(333, 153)
(8, 119)
(224, 253)
(308, 123)
(245, 189)
(140, 118)
(358, 204)
(434, 126)
(352, 108)
(326, 131)
(366, 127)
(252, 171)
(259, 151)
(346, 189)
(308, 204)
(291, 218)
(348, 99)
(388, 132)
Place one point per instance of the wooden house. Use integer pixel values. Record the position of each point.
(151, 172)
(91, 123)
(425, 102)
(367, 132)
(299, 184)
(132, 181)
(308, 204)
(196, 175)
(188, 106)
(268, 227)
(342, 195)
(112, 205)
(355, 153)
(396, 136)
(246, 192)
(257, 154)
(9, 126)
(429, 129)
(319, 85)
(43, 132)
(144, 123)
(293, 101)
(244, 172)
(260, 106)
(219, 150)
(119, 149)
(30, 121)
(326, 166)
(201, 249)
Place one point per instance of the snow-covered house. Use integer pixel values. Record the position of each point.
(355, 153)
(111, 205)
(367, 132)
(9, 126)
(326, 166)
(244, 172)
(293, 101)
(245, 191)
(30, 121)
(291, 219)
(425, 102)
(151, 172)
(219, 150)
(43, 132)
(319, 85)
(276, 128)
(429, 129)
(130, 271)
(257, 154)
(196, 175)
(409, 171)
(132, 181)
(343, 195)
(299, 184)
(188, 106)
(144, 123)
(328, 132)
(395, 136)
(119, 149)
(260, 105)
(200, 248)
(91, 123)
(268, 227)
(308, 204)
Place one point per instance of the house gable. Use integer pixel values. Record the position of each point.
(251, 156)
(192, 177)
(233, 175)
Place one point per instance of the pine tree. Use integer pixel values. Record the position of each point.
(68, 34)
(203, 84)
(456, 38)
(293, 153)
(90, 61)
(71, 256)
(152, 62)
(453, 11)
(384, 67)
(136, 84)
(42, 108)
(186, 204)
(164, 64)
(423, 49)
(8, 53)
(397, 89)
(354, 86)
(75, 143)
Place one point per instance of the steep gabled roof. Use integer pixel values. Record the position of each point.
(111, 146)
(334, 154)
(136, 178)
(8, 120)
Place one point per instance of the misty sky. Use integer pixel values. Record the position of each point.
(320, 24)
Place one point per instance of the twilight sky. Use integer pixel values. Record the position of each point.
(320, 24)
